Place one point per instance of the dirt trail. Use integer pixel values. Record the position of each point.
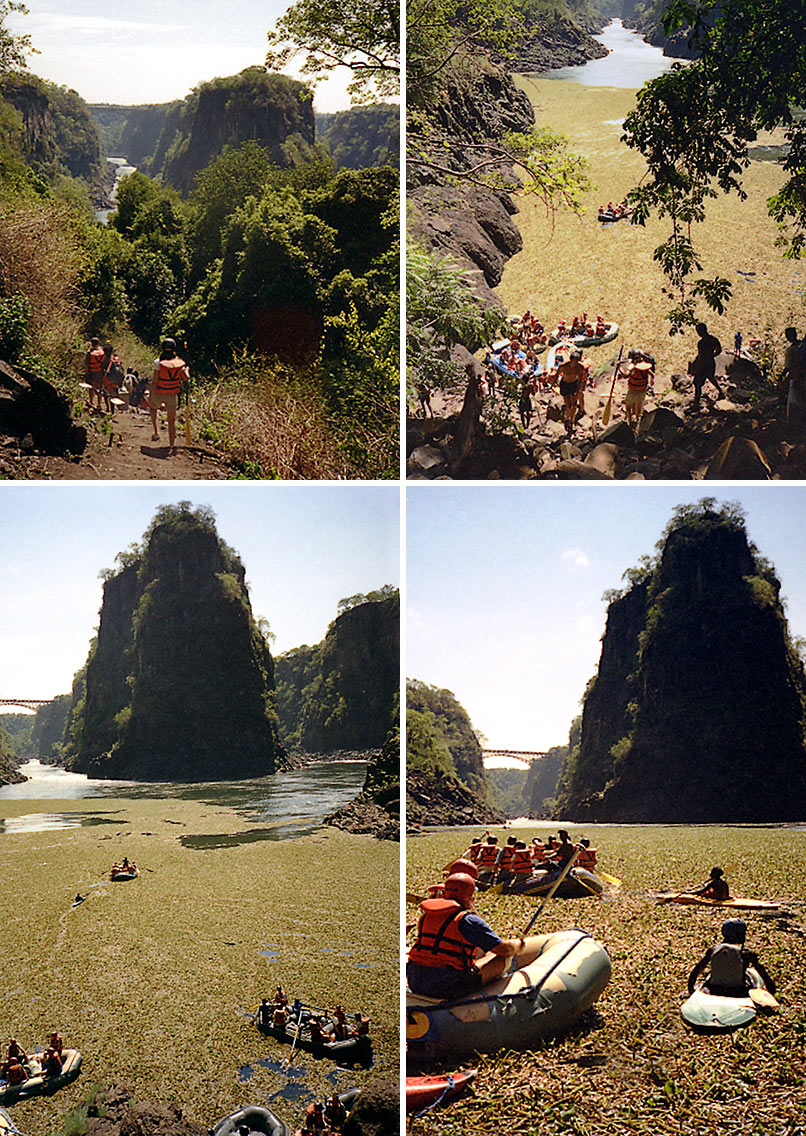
(126, 452)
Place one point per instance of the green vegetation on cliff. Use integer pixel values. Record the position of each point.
(180, 681)
(344, 692)
(362, 136)
(698, 708)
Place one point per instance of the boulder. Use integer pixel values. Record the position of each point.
(619, 433)
(603, 458)
(569, 450)
(32, 408)
(573, 469)
(426, 458)
(738, 459)
(376, 1112)
(662, 421)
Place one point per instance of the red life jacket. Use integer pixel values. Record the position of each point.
(169, 375)
(507, 853)
(586, 858)
(473, 852)
(638, 380)
(439, 941)
(95, 361)
(539, 852)
(522, 861)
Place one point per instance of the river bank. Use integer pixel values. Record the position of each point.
(154, 980)
(632, 1066)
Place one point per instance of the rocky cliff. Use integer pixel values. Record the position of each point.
(59, 136)
(376, 810)
(254, 105)
(9, 773)
(362, 136)
(344, 693)
(697, 713)
(451, 215)
(445, 778)
(180, 682)
(50, 723)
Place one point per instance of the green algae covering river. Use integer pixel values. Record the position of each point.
(632, 1067)
(155, 980)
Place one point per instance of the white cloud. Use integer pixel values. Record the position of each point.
(576, 557)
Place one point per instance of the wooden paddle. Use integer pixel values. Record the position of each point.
(550, 894)
(609, 404)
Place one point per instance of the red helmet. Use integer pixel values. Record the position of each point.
(463, 867)
(460, 887)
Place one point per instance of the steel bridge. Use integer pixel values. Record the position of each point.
(523, 754)
(26, 703)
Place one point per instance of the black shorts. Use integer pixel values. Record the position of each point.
(568, 388)
(443, 982)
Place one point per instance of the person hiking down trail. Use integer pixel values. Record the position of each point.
(795, 374)
(730, 962)
(703, 368)
(169, 373)
(94, 370)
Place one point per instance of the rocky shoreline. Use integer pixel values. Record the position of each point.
(445, 801)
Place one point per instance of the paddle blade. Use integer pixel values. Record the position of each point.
(764, 1001)
(613, 881)
(606, 415)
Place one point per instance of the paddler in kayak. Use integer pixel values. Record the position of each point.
(442, 962)
(729, 963)
(716, 888)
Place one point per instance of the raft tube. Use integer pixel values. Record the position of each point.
(38, 1084)
(713, 1013)
(534, 1002)
(7, 1125)
(578, 884)
(738, 904)
(119, 875)
(611, 331)
(423, 1092)
(607, 216)
(255, 1119)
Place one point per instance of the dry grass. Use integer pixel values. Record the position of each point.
(634, 1068)
(271, 425)
(583, 265)
(39, 258)
(151, 979)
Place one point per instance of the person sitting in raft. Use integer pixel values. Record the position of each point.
(340, 1030)
(280, 997)
(460, 865)
(14, 1072)
(280, 1016)
(15, 1052)
(587, 855)
(317, 1032)
(361, 1025)
(296, 1009)
(51, 1063)
(263, 1017)
(717, 887)
(55, 1042)
(335, 1112)
(522, 867)
(564, 850)
(488, 856)
(729, 963)
(442, 962)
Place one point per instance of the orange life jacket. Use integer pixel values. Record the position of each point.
(488, 855)
(473, 852)
(95, 361)
(439, 941)
(169, 375)
(637, 380)
(522, 861)
(586, 858)
(507, 853)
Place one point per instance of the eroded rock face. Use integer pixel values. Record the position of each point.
(114, 1113)
(696, 713)
(180, 685)
(377, 1110)
(31, 406)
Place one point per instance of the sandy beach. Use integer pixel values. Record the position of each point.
(154, 980)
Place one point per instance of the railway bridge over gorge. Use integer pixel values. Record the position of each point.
(25, 703)
(527, 755)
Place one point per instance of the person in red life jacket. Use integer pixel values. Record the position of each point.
(503, 872)
(280, 1016)
(587, 855)
(113, 375)
(716, 888)
(539, 850)
(317, 1032)
(280, 997)
(169, 373)
(460, 865)
(55, 1042)
(442, 962)
(640, 373)
(335, 1112)
(94, 370)
(522, 867)
(729, 963)
(51, 1063)
(315, 1117)
(14, 1072)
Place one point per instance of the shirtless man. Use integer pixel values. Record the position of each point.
(572, 376)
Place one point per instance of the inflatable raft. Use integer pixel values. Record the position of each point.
(7, 1125)
(38, 1084)
(608, 216)
(714, 1013)
(536, 1001)
(578, 884)
(121, 874)
(256, 1120)
(738, 904)
(356, 1048)
(611, 331)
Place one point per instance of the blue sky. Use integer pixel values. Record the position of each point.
(153, 51)
(504, 587)
(304, 547)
